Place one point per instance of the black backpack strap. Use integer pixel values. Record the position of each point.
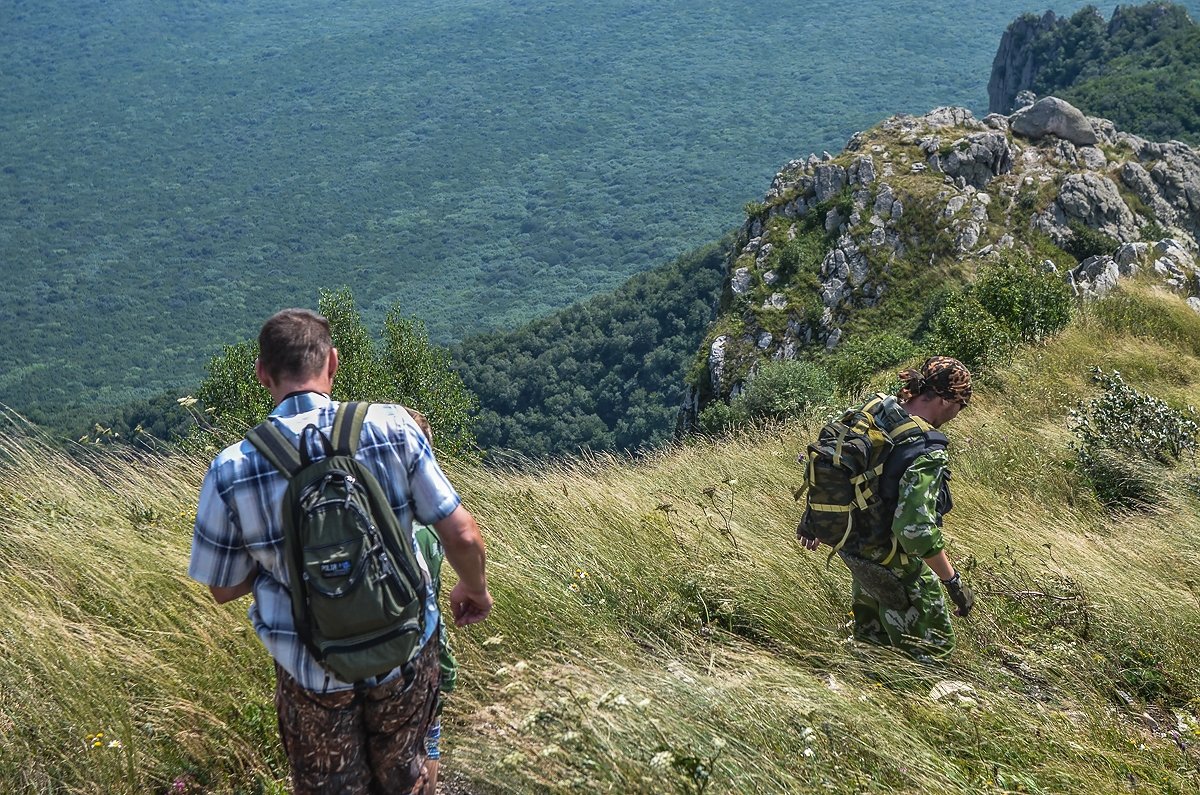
(347, 427)
(275, 447)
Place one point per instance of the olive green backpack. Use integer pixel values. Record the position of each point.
(357, 589)
(849, 468)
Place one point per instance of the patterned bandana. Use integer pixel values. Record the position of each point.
(945, 377)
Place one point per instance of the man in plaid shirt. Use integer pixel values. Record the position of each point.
(339, 737)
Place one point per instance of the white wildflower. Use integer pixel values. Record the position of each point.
(661, 760)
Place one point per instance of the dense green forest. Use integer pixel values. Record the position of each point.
(170, 178)
(604, 374)
(1141, 69)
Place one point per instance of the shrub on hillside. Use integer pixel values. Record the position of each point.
(855, 361)
(1125, 437)
(1087, 242)
(779, 390)
(959, 326)
(1032, 302)
(784, 389)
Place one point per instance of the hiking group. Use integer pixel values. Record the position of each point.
(324, 514)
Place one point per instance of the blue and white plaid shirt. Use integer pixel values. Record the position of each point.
(238, 521)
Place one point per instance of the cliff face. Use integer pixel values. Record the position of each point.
(1017, 63)
(857, 243)
(1048, 54)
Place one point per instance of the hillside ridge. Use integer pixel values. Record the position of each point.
(859, 243)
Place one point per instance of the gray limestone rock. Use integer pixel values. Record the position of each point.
(832, 292)
(1095, 201)
(1130, 253)
(716, 362)
(862, 171)
(828, 180)
(1065, 153)
(1024, 99)
(953, 206)
(968, 238)
(939, 118)
(1053, 116)
(884, 200)
(741, 281)
(1095, 277)
(1135, 177)
(776, 301)
(996, 122)
(833, 221)
(1092, 158)
(1172, 250)
(764, 340)
(979, 158)
(763, 253)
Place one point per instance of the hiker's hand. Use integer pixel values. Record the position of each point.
(469, 606)
(806, 541)
(960, 593)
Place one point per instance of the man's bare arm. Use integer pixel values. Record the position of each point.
(470, 601)
(229, 593)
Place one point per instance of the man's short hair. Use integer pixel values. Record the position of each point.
(294, 343)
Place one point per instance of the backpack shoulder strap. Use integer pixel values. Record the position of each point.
(347, 427)
(275, 447)
(936, 440)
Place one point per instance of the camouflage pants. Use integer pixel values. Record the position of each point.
(921, 628)
(363, 742)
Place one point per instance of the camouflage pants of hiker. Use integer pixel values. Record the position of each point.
(920, 628)
(360, 742)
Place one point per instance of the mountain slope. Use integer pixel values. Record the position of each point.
(1141, 69)
(656, 627)
(872, 241)
(604, 374)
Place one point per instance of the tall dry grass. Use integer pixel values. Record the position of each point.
(656, 629)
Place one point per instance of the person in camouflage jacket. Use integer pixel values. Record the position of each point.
(897, 598)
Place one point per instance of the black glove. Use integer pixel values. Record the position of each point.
(960, 594)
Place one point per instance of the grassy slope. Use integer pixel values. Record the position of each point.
(658, 606)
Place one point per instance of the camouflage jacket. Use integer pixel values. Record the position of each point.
(923, 497)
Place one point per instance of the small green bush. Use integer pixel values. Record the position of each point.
(1125, 439)
(1032, 302)
(959, 326)
(855, 361)
(1087, 242)
(780, 390)
(717, 418)
(801, 254)
(784, 389)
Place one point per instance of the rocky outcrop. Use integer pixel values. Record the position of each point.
(1045, 54)
(947, 191)
(1092, 200)
(1172, 266)
(979, 158)
(1166, 177)
(1053, 116)
(1017, 64)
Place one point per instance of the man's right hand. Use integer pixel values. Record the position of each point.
(469, 606)
(960, 593)
(806, 541)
